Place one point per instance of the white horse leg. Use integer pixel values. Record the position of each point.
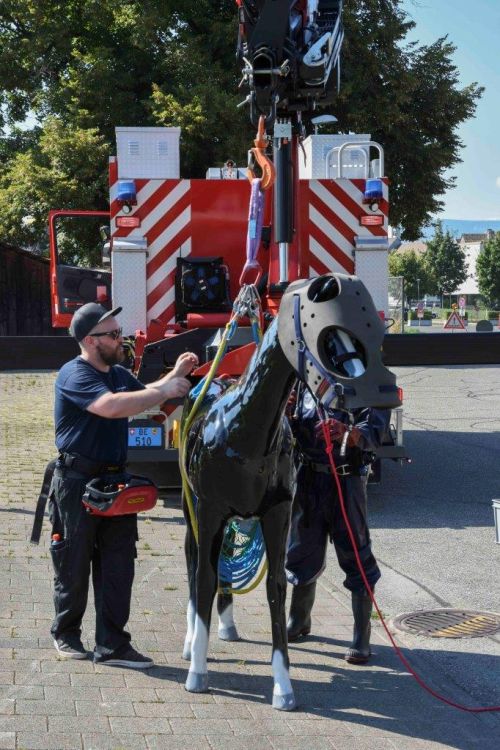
(275, 525)
(283, 698)
(197, 679)
(210, 542)
(186, 652)
(227, 630)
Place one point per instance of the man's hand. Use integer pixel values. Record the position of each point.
(175, 383)
(335, 428)
(337, 431)
(175, 387)
(355, 438)
(184, 364)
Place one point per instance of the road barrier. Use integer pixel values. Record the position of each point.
(51, 352)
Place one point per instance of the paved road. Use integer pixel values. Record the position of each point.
(432, 520)
(432, 529)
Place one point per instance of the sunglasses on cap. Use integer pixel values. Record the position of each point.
(116, 334)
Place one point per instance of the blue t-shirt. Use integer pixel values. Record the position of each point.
(78, 385)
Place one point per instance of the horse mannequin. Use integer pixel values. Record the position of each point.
(239, 454)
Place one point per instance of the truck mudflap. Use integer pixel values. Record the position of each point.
(393, 447)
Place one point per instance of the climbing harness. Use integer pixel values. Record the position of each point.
(241, 566)
(334, 472)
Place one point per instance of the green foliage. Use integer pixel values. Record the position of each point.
(411, 267)
(488, 270)
(427, 315)
(59, 172)
(90, 65)
(445, 261)
(409, 98)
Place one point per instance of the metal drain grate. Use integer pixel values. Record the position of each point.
(449, 623)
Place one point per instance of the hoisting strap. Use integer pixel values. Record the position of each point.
(329, 451)
(254, 232)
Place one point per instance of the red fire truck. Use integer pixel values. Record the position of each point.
(176, 250)
(179, 249)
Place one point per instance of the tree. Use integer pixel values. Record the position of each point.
(56, 173)
(488, 271)
(445, 261)
(411, 267)
(95, 64)
(408, 97)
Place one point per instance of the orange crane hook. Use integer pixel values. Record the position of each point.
(257, 155)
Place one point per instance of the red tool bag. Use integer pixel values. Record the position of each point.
(133, 494)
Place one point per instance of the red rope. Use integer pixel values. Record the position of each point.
(329, 451)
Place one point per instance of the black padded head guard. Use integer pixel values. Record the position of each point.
(331, 333)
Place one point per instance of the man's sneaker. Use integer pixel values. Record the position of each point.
(70, 647)
(127, 658)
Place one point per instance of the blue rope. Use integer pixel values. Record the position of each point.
(241, 554)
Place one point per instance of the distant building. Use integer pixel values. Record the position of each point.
(472, 245)
(419, 247)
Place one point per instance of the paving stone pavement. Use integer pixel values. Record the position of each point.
(47, 703)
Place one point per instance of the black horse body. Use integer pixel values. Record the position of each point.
(240, 435)
(239, 450)
(239, 461)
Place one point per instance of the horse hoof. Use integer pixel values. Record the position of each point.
(229, 634)
(197, 682)
(284, 702)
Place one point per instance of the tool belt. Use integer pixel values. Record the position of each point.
(134, 495)
(88, 468)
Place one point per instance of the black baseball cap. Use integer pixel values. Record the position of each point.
(87, 317)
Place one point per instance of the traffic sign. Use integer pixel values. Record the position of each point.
(455, 322)
(420, 313)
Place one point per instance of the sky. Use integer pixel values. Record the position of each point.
(474, 29)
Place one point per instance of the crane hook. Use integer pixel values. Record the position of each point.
(257, 156)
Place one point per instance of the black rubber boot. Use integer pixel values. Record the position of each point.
(359, 651)
(299, 620)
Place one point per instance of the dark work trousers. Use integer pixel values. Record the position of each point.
(316, 517)
(108, 545)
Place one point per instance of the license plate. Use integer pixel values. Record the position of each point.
(145, 437)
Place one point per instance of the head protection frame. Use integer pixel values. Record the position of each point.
(327, 322)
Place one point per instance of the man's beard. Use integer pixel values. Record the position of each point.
(112, 358)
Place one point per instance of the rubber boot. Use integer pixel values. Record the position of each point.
(359, 651)
(299, 619)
